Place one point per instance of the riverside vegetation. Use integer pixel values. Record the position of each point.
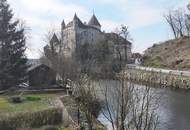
(30, 112)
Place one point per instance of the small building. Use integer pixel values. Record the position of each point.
(41, 75)
(137, 58)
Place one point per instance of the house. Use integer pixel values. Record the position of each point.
(41, 75)
(137, 58)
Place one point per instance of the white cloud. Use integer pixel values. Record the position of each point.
(104, 1)
(52, 7)
(141, 14)
(42, 14)
(109, 25)
(44, 11)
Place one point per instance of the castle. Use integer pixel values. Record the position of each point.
(76, 33)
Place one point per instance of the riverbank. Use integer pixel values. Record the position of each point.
(157, 78)
(73, 109)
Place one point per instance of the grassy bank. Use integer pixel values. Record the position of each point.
(29, 111)
(172, 54)
(42, 102)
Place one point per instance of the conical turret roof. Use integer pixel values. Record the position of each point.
(63, 23)
(79, 22)
(94, 21)
(54, 39)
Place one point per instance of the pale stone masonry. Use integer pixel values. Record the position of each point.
(77, 33)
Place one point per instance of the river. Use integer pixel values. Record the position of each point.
(173, 111)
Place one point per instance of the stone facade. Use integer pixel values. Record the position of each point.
(76, 33)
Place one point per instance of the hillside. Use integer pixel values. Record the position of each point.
(173, 54)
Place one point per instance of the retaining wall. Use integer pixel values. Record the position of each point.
(157, 78)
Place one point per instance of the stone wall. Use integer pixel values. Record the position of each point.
(157, 78)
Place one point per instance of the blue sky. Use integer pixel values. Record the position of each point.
(144, 18)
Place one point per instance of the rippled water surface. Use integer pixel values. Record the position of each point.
(174, 109)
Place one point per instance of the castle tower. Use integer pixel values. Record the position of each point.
(62, 28)
(94, 22)
(77, 21)
(54, 40)
(63, 25)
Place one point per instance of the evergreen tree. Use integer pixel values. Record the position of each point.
(13, 62)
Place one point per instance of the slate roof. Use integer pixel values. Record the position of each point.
(63, 23)
(115, 36)
(94, 21)
(79, 22)
(37, 66)
(69, 24)
(33, 63)
(54, 39)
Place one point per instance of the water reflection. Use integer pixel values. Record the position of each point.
(173, 111)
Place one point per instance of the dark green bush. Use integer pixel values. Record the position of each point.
(82, 127)
(16, 99)
(33, 98)
(51, 116)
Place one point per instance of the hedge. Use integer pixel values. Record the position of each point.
(51, 116)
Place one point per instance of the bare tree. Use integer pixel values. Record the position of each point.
(125, 33)
(128, 107)
(54, 57)
(85, 94)
(143, 110)
(117, 103)
(170, 20)
(179, 22)
(122, 44)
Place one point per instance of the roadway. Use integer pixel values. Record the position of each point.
(166, 71)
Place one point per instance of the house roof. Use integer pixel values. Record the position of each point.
(33, 63)
(37, 66)
(54, 39)
(94, 21)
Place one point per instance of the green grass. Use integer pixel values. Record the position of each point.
(33, 98)
(27, 105)
(61, 128)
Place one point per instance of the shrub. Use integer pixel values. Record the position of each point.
(82, 127)
(65, 129)
(51, 128)
(33, 98)
(16, 99)
(51, 116)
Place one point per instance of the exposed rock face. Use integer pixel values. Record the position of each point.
(174, 54)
